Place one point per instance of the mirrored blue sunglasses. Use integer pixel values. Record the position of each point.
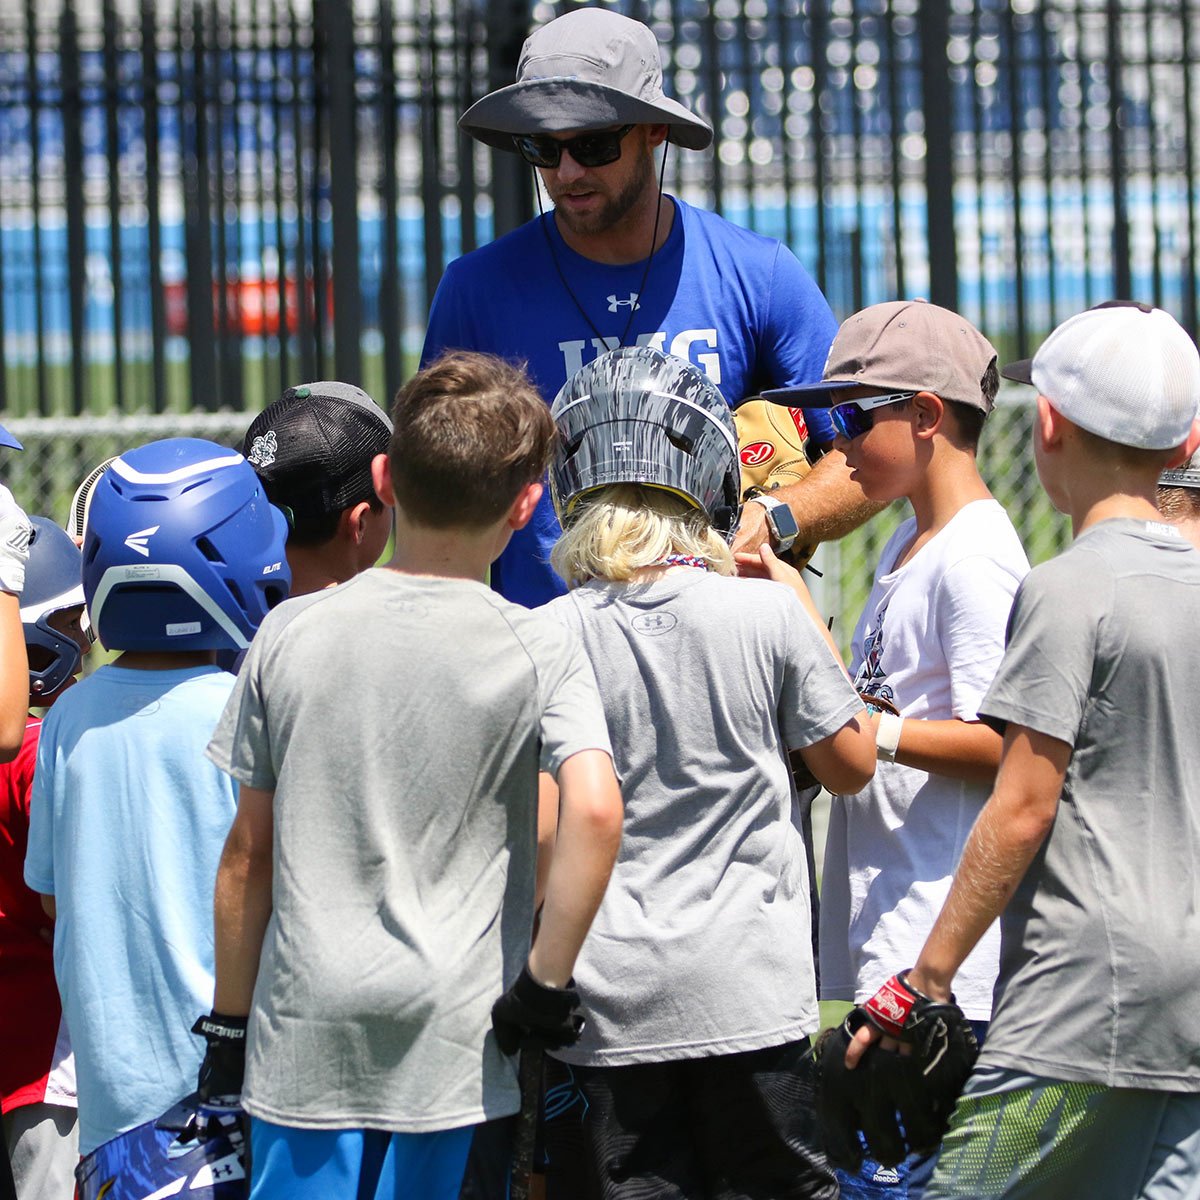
(853, 418)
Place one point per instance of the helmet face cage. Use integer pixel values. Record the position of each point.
(636, 415)
(182, 550)
(52, 583)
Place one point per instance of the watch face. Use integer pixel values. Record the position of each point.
(783, 523)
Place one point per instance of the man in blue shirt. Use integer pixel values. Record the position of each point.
(618, 263)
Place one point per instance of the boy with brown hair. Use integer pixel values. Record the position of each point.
(376, 893)
(1088, 848)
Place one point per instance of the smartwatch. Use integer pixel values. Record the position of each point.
(780, 521)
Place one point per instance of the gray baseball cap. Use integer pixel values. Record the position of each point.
(585, 70)
(902, 346)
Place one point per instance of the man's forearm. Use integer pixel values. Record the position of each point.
(1008, 834)
(589, 836)
(827, 503)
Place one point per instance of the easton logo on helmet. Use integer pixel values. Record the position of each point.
(757, 453)
(138, 541)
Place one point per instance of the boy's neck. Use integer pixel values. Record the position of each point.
(165, 660)
(447, 553)
(1136, 505)
(950, 482)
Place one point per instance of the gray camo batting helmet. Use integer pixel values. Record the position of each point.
(636, 415)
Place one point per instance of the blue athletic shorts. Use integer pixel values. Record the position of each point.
(355, 1164)
(1023, 1137)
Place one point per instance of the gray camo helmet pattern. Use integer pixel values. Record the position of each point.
(636, 415)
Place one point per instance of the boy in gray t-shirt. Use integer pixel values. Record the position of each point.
(1089, 847)
(376, 894)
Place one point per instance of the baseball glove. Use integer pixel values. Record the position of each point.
(900, 1102)
(771, 441)
(802, 775)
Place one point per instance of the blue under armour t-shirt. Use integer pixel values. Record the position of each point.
(126, 825)
(734, 303)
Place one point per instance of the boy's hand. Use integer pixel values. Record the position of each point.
(224, 1065)
(15, 535)
(532, 1014)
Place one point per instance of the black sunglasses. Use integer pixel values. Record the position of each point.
(854, 417)
(587, 149)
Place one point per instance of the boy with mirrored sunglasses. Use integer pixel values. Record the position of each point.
(909, 385)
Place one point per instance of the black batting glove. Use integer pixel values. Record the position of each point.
(530, 1014)
(224, 1065)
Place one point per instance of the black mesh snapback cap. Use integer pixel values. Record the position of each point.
(313, 447)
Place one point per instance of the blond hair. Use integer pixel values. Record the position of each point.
(621, 529)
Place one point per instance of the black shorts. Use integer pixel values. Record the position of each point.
(730, 1127)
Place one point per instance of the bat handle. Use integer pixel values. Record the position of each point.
(525, 1137)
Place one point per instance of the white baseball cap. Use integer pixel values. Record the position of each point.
(1123, 371)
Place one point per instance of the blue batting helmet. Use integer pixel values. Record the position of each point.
(52, 583)
(182, 550)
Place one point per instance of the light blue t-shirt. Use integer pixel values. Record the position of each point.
(127, 822)
(735, 304)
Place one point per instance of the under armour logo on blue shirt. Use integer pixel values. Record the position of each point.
(631, 303)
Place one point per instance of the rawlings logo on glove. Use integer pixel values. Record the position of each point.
(900, 1102)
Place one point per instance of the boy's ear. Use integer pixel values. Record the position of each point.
(355, 519)
(930, 410)
(524, 506)
(1187, 449)
(381, 477)
(1049, 423)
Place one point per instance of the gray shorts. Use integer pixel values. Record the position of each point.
(1029, 1138)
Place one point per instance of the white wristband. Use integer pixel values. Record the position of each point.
(887, 736)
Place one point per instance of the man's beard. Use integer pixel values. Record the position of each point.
(614, 209)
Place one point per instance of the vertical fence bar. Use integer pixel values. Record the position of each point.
(69, 60)
(337, 23)
(112, 100)
(196, 212)
(818, 26)
(896, 132)
(1190, 133)
(1016, 159)
(73, 168)
(1122, 275)
(307, 281)
(153, 211)
(431, 191)
(512, 181)
(390, 295)
(939, 154)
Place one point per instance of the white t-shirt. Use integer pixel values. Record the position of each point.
(929, 639)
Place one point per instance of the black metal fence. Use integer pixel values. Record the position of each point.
(203, 201)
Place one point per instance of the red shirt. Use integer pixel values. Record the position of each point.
(30, 1011)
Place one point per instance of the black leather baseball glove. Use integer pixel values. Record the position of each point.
(899, 1100)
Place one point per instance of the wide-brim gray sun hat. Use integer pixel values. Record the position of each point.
(588, 69)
